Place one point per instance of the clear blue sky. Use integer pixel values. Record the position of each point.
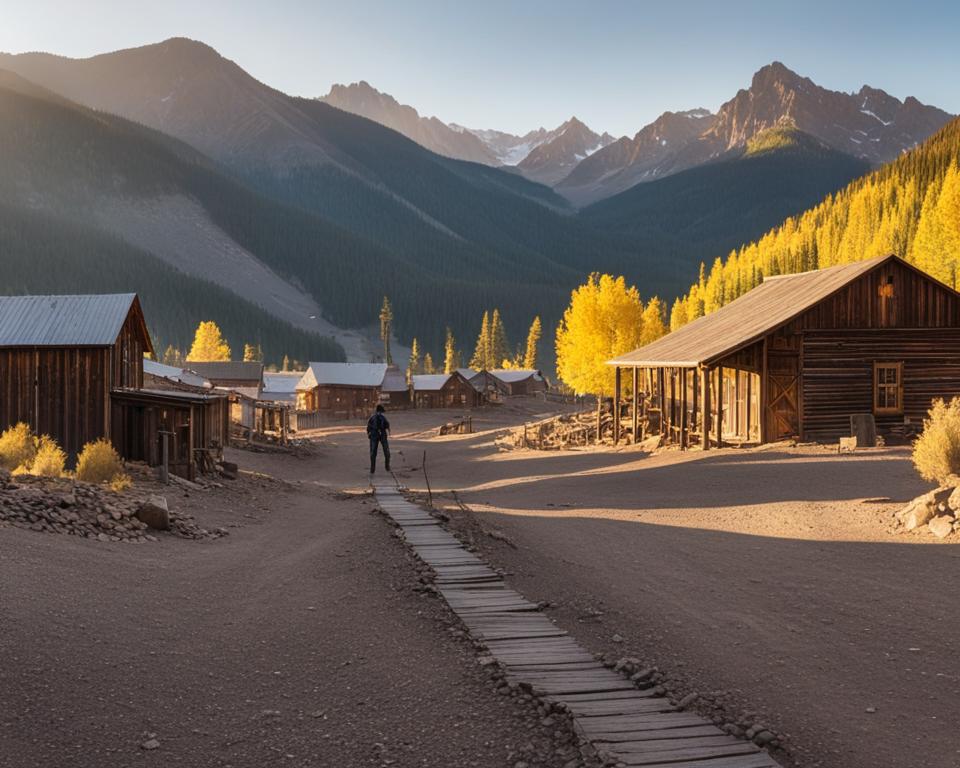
(518, 65)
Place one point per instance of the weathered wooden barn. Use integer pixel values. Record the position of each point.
(63, 357)
(344, 390)
(444, 390)
(235, 374)
(799, 355)
(520, 381)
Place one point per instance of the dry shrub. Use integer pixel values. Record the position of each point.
(98, 462)
(120, 482)
(50, 460)
(936, 453)
(18, 447)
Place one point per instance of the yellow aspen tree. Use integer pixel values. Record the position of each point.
(209, 344)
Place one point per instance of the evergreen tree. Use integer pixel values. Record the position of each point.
(386, 329)
(286, 364)
(428, 366)
(533, 341)
(499, 346)
(252, 354)
(208, 344)
(481, 353)
(451, 356)
(172, 356)
(414, 367)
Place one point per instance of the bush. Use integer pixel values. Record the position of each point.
(98, 462)
(936, 453)
(50, 459)
(120, 482)
(18, 447)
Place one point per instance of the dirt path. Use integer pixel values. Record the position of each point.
(297, 640)
(768, 578)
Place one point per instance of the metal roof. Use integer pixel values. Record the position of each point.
(343, 374)
(181, 375)
(430, 382)
(468, 373)
(512, 376)
(63, 321)
(773, 303)
(394, 380)
(235, 370)
(281, 383)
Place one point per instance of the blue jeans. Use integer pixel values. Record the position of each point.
(374, 443)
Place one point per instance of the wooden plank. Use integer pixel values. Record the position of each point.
(666, 757)
(655, 733)
(758, 760)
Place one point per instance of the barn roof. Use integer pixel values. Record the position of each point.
(284, 382)
(394, 380)
(63, 321)
(512, 375)
(775, 302)
(181, 375)
(343, 374)
(235, 370)
(430, 382)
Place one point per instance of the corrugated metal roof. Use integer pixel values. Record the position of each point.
(281, 383)
(235, 370)
(512, 376)
(467, 373)
(175, 374)
(774, 302)
(430, 382)
(343, 374)
(394, 380)
(63, 321)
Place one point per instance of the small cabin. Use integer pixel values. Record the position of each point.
(798, 356)
(344, 390)
(517, 382)
(444, 390)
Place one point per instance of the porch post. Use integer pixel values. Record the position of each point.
(616, 406)
(636, 404)
(706, 420)
(764, 375)
(720, 406)
(683, 408)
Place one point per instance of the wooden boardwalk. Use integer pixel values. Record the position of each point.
(628, 725)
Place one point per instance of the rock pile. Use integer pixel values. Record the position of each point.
(91, 511)
(937, 512)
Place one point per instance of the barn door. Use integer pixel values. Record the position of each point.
(783, 401)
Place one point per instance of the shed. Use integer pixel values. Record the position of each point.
(63, 357)
(281, 386)
(800, 354)
(160, 376)
(520, 381)
(444, 390)
(341, 389)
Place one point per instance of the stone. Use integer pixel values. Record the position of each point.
(919, 511)
(228, 470)
(687, 700)
(763, 738)
(150, 745)
(941, 526)
(155, 513)
(953, 500)
(617, 639)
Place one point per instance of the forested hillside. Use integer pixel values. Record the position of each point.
(43, 255)
(910, 207)
(677, 221)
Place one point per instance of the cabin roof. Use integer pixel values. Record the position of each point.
(773, 303)
(180, 375)
(430, 382)
(235, 370)
(63, 321)
(281, 382)
(343, 374)
(512, 375)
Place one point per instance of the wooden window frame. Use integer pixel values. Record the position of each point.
(885, 365)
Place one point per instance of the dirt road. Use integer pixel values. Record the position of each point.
(297, 640)
(769, 578)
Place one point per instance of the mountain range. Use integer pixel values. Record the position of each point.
(309, 211)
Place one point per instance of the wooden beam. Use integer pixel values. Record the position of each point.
(683, 409)
(719, 406)
(661, 385)
(764, 392)
(636, 403)
(705, 421)
(616, 406)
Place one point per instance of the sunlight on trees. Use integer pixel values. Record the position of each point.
(209, 344)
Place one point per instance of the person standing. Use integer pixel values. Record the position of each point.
(377, 430)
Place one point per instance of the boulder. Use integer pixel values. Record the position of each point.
(229, 470)
(953, 500)
(941, 526)
(155, 513)
(923, 508)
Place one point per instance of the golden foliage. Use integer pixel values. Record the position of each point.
(936, 453)
(18, 447)
(910, 207)
(208, 344)
(98, 462)
(533, 343)
(50, 460)
(120, 482)
(605, 319)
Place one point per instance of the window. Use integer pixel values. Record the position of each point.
(888, 387)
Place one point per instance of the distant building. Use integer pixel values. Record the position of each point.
(348, 390)
(160, 376)
(800, 354)
(444, 390)
(520, 381)
(235, 375)
(281, 387)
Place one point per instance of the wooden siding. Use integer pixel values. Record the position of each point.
(456, 393)
(336, 400)
(838, 376)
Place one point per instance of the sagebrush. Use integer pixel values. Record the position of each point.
(936, 453)
(50, 460)
(18, 447)
(98, 462)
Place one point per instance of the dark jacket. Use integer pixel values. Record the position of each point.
(377, 427)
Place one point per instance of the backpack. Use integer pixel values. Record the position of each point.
(373, 427)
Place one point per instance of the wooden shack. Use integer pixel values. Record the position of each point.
(517, 382)
(343, 390)
(444, 390)
(63, 357)
(799, 355)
